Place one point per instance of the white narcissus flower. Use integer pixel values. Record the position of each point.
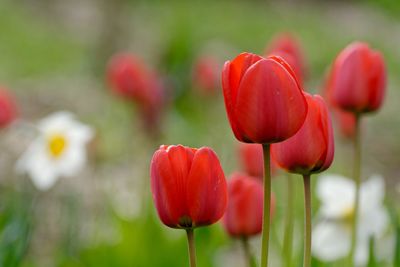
(332, 234)
(58, 150)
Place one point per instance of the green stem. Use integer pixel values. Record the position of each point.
(288, 235)
(357, 180)
(191, 247)
(307, 223)
(249, 257)
(267, 206)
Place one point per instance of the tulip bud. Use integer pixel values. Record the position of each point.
(129, 78)
(311, 149)
(8, 109)
(346, 122)
(289, 48)
(263, 100)
(252, 160)
(205, 75)
(188, 186)
(244, 213)
(358, 79)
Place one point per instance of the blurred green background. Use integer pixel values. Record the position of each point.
(53, 56)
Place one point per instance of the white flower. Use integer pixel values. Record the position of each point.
(59, 150)
(332, 234)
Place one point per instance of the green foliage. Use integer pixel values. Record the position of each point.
(15, 229)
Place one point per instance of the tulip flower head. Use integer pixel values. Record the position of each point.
(311, 149)
(58, 151)
(358, 79)
(346, 122)
(188, 186)
(252, 160)
(244, 214)
(129, 78)
(263, 99)
(289, 48)
(205, 75)
(8, 109)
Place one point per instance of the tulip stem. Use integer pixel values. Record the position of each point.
(357, 180)
(288, 235)
(249, 256)
(307, 222)
(267, 206)
(191, 247)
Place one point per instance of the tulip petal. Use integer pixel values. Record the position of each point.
(377, 80)
(232, 74)
(326, 127)
(168, 180)
(206, 188)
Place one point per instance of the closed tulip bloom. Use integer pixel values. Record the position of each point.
(129, 78)
(188, 186)
(205, 75)
(358, 79)
(8, 109)
(252, 160)
(263, 99)
(311, 149)
(346, 122)
(244, 213)
(289, 48)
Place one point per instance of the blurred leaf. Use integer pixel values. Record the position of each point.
(15, 231)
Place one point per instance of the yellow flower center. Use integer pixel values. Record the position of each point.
(348, 214)
(57, 144)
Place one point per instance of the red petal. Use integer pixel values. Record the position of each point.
(232, 74)
(377, 81)
(169, 170)
(206, 188)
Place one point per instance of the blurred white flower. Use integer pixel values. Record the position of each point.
(58, 150)
(332, 234)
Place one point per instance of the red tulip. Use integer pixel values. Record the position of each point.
(129, 78)
(311, 149)
(8, 109)
(252, 159)
(346, 122)
(244, 213)
(188, 186)
(289, 48)
(205, 75)
(358, 79)
(264, 101)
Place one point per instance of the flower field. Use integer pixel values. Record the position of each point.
(209, 133)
